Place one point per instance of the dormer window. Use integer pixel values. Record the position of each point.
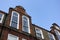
(1, 17)
(14, 20)
(39, 33)
(25, 24)
(51, 36)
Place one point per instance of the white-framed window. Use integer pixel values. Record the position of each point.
(25, 24)
(24, 39)
(57, 34)
(12, 37)
(14, 20)
(51, 36)
(39, 33)
(1, 17)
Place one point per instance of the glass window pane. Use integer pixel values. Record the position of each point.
(51, 36)
(15, 14)
(25, 29)
(38, 34)
(25, 24)
(25, 18)
(12, 37)
(13, 24)
(38, 31)
(58, 34)
(0, 16)
(15, 19)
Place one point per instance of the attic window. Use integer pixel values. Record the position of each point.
(1, 17)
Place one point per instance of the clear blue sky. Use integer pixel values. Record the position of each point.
(43, 12)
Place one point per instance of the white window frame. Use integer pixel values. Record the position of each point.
(52, 35)
(41, 32)
(24, 39)
(17, 19)
(13, 36)
(28, 23)
(2, 18)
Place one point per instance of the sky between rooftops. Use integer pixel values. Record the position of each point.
(43, 12)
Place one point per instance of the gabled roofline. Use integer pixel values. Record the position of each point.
(3, 12)
(40, 27)
(19, 12)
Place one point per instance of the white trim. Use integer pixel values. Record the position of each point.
(57, 27)
(2, 18)
(17, 19)
(42, 34)
(13, 36)
(28, 23)
(53, 36)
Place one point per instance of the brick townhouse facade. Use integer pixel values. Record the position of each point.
(17, 25)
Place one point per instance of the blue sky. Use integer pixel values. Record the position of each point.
(43, 12)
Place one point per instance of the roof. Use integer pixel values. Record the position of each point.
(40, 27)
